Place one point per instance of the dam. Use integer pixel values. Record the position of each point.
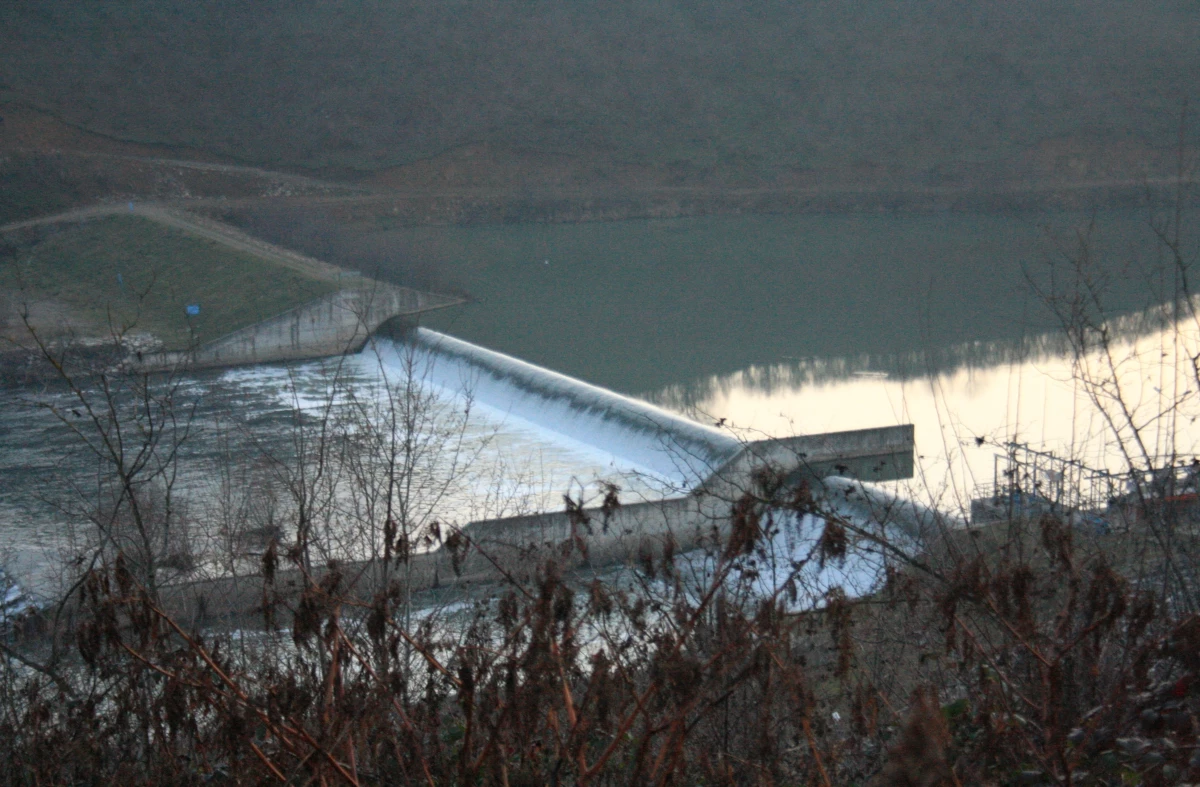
(699, 469)
(678, 476)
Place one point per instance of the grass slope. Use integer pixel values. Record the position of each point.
(142, 276)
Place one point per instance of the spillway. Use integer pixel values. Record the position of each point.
(678, 450)
(534, 435)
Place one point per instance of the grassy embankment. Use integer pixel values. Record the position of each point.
(128, 273)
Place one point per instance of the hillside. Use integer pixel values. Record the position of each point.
(928, 91)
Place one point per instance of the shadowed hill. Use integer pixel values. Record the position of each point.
(934, 87)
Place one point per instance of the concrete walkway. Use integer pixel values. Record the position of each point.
(516, 548)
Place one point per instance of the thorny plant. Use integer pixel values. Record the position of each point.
(550, 682)
(1049, 665)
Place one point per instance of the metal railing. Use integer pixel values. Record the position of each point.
(1028, 482)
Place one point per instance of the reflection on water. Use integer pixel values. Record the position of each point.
(637, 306)
(1134, 400)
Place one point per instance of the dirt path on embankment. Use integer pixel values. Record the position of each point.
(199, 226)
(237, 170)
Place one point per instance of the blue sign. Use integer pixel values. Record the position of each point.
(193, 309)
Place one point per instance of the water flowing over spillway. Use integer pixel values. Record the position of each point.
(497, 438)
(532, 436)
(667, 445)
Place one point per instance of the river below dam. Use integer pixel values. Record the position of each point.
(252, 440)
(753, 326)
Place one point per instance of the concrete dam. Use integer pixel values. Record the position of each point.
(674, 448)
(698, 470)
(704, 470)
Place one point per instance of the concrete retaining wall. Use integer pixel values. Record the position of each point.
(630, 531)
(331, 325)
(517, 547)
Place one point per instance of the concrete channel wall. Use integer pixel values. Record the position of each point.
(628, 532)
(518, 547)
(338, 323)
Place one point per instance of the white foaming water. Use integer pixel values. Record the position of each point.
(515, 450)
(640, 435)
(785, 565)
(532, 413)
(513, 460)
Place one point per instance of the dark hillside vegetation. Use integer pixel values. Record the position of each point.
(939, 89)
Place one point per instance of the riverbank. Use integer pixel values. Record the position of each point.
(170, 288)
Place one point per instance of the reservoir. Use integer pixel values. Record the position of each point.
(778, 325)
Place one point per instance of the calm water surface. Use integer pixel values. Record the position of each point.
(638, 306)
(784, 325)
